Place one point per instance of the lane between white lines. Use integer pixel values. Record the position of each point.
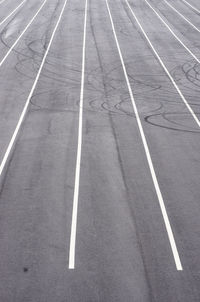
(13, 139)
(6, 18)
(183, 17)
(21, 35)
(177, 38)
(148, 156)
(72, 248)
(194, 8)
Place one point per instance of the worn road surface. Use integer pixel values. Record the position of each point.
(99, 151)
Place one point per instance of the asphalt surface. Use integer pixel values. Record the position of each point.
(122, 249)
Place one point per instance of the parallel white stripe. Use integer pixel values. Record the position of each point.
(182, 15)
(78, 158)
(161, 19)
(165, 68)
(194, 8)
(148, 156)
(21, 35)
(12, 141)
(2, 1)
(4, 20)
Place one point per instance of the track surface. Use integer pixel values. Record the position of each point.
(76, 180)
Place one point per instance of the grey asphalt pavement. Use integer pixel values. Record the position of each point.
(122, 244)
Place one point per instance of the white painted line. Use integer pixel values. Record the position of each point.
(164, 67)
(161, 19)
(194, 8)
(182, 15)
(148, 156)
(2, 1)
(4, 20)
(78, 158)
(12, 141)
(23, 32)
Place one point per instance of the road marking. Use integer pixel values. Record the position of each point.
(182, 16)
(164, 67)
(78, 158)
(148, 156)
(2, 1)
(4, 20)
(12, 141)
(23, 32)
(161, 19)
(198, 11)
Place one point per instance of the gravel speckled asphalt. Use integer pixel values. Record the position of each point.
(122, 245)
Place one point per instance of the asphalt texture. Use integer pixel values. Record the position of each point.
(122, 251)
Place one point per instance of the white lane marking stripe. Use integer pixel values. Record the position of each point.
(182, 15)
(198, 11)
(72, 248)
(23, 32)
(148, 156)
(165, 68)
(2, 1)
(161, 19)
(12, 141)
(4, 20)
